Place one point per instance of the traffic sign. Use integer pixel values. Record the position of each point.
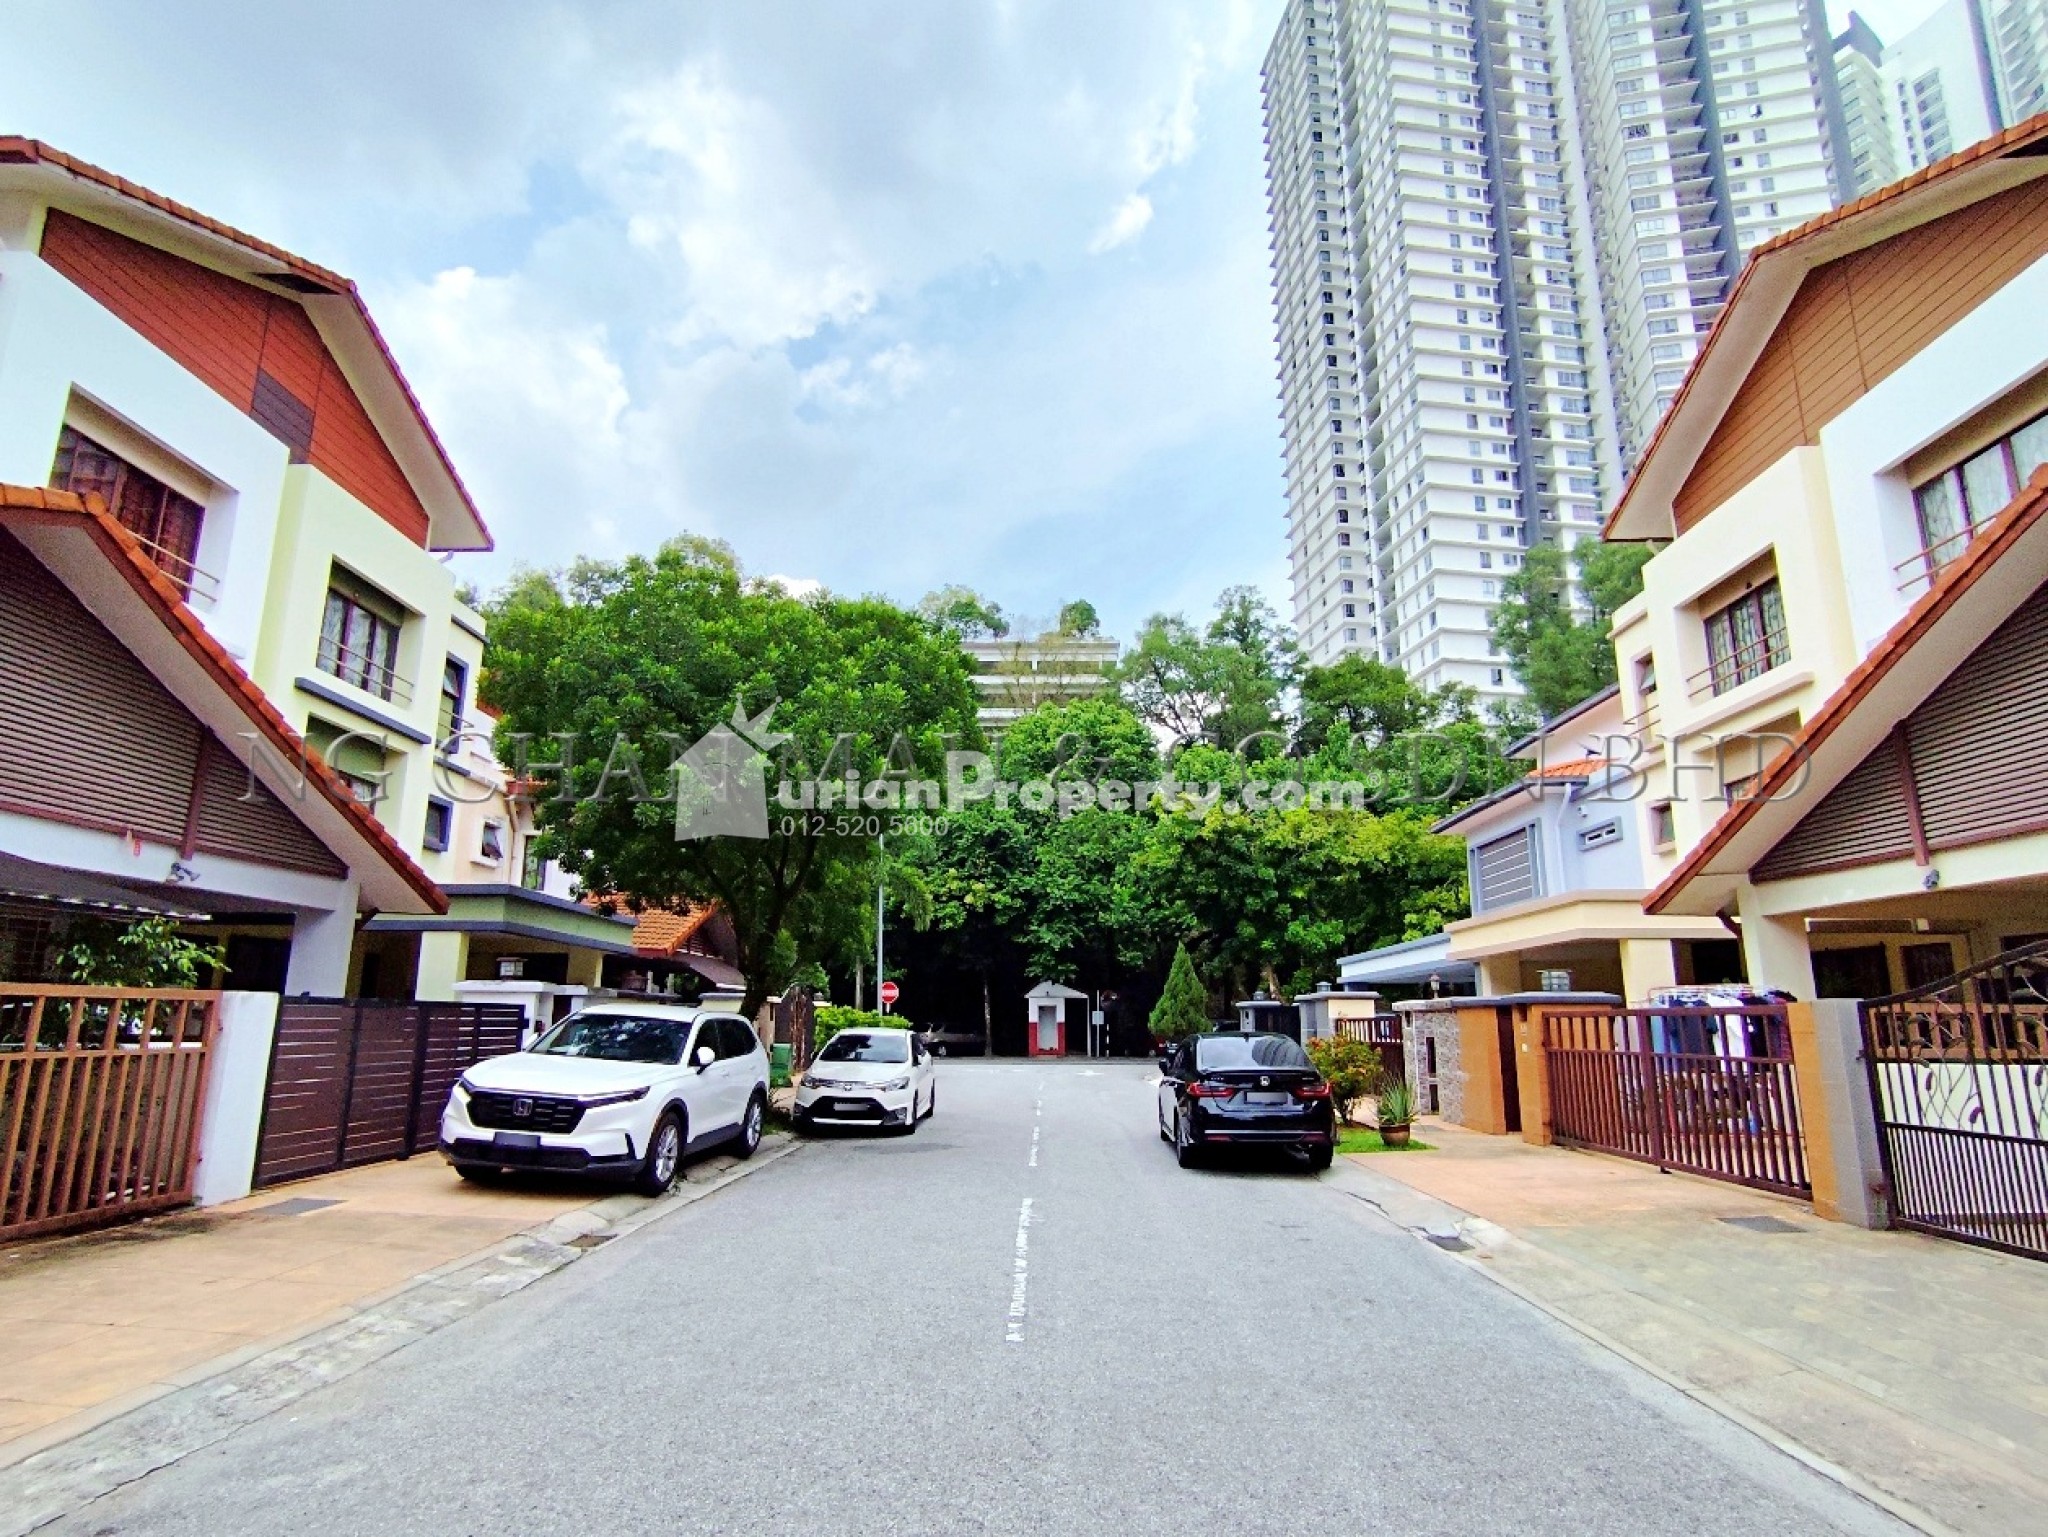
(890, 993)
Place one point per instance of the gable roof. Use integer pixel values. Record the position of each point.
(1872, 699)
(330, 300)
(1768, 283)
(110, 573)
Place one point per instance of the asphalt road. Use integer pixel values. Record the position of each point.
(872, 1336)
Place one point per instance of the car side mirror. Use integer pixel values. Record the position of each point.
(704, 1058)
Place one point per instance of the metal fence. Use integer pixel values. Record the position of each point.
(356, 1081)
(1959, 1080)
(1704, 1090)
(1382, 1032)
(100, 1096)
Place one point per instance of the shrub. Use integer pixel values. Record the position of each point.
(833, 1018)
(1183, 1007)
(1351, 1068)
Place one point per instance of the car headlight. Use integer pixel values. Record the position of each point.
(895, 1085)
(623, 1097)
(464, 1087)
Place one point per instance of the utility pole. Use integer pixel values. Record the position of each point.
(881, 899)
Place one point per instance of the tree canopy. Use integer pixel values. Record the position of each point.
(627, 664)
(1560, 654)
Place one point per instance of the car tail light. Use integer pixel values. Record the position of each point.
(1212, 1090)
(1316, 1090)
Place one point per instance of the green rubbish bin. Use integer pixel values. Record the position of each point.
(778, 1060)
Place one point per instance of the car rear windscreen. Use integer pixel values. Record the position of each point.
(859, 1046)
(1215, 1053)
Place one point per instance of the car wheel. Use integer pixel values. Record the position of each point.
(1185, 1153)
(938, 1051)
(909, 1126)
(750, 1127)
(477, 1176)
(664, 1156)
(1320, 1158)
(931, 1104)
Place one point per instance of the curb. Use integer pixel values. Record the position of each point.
(56, 1471)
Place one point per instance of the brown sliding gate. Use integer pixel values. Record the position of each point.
(1959, 1076)
(357, 1081)
(1704, 1090)
(100, 1094)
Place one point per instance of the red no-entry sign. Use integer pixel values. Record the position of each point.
(889, 992)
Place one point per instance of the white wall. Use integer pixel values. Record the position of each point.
(54, 339)
(1985, 355)
(231, 1115)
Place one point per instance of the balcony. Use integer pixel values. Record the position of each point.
(1769, 650)
(368, 673)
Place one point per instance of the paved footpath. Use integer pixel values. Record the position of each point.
(1024, 1319)
(1915, 1366)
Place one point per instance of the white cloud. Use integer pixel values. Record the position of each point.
(813, 279)
(1125, 225)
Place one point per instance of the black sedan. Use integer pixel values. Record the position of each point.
(1240, 1089)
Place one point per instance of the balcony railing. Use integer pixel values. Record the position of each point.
(191, 580)
(365, 672)
(1766, 652)
(1917, 571)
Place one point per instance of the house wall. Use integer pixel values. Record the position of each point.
(58, 346)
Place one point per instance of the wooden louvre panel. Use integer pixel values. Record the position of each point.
(239, 817)
(1979, 752)
(1980, 744)
(1505, 870)
(1861, 821)
(234, 336)
(90, 736)
(1856, 321)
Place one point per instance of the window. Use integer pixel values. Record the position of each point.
(1663, 830)
(440, 824)
(359, 639)
(165, 522)
(1746, 639)
(491, 846)
(357, 756)
(533, 870)
(1961, 500)
(454, 682)
(1504, 871)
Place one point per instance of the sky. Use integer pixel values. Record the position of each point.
(887, 295)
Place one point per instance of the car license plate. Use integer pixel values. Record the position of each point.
(521, 1139)
(850, 1106)
(1257, 1097)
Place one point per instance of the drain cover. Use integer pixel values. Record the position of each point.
(296, 1206)
(590, 1240)
(1764, 1224)
(1449, 1242)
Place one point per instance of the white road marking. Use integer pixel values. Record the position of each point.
(1033, 1163)
(1020, 1275)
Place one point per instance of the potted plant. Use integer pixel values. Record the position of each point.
(1396, 1112)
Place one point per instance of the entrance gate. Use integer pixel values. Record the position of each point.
(1959, 1079)
(1702, 1090)
(359, 1080)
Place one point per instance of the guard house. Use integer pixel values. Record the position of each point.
(1045, 1007)
(1274, 1015)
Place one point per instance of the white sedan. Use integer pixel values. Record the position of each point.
(620, 1090)
(868, 1078)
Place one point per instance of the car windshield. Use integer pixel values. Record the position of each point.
(616, 1038)
(860, 1046)
(1214, 1052)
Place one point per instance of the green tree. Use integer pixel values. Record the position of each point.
(629, 663)
(1223, 684)
(1183, 1006)
(1560, 654)
(1079, 619)
(965, 613)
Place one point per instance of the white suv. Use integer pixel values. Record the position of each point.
(618, 1089)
